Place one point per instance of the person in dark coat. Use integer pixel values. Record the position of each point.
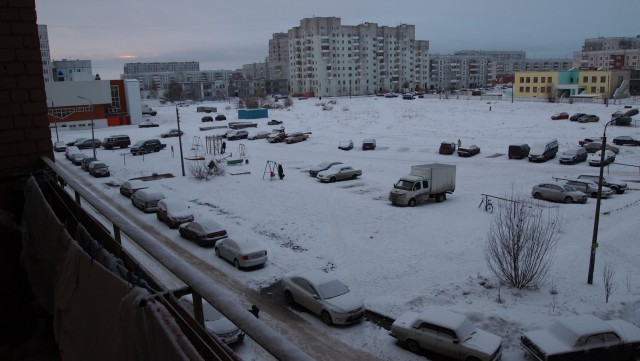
(255, 311)
(280, 172)
(223, 148)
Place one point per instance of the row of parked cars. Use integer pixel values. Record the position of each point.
(449, 148)
(578, 190)
(95, 167)
(367, 144)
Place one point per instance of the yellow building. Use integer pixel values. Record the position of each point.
(602, 83)
(535, 84)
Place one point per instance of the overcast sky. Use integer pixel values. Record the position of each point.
(228, 34)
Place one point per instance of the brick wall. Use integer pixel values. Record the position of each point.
(24, 129)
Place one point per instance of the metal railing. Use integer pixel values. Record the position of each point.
(274, 343)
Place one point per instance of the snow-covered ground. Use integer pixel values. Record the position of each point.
(397, 258)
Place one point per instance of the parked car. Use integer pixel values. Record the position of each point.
(590, 140)
(148, 124)
(576, 116)
(583, 337)
(573, 155)
(84, 164)
(147, 146)
(345, 144)
(542, 152)
(146, 200)
(596, 146)
(588, 118)
(77, 157)
(408, 96)
(295, 137)
(172, 133)
(207, 118)
(70, 150)
(338, 172)
(369, 144)
(220, 117)
(446, 333)
(59, 146)
(518, 151)
(469, 151)
(625, 140)
(563, 115)
(238, 134)
(173, 212)
(595, 159)
(324, 295)
(622, 121)
(204, 231)
(617, 186)
(590, 188)
(447, 148)
(554, 192)
(313, 171)
(88, 144)
(131, 186)
(99, 169)
(391, 95)
(73, 143)
(263, 134)
(242, 253)
(214, 322)
(120, 141)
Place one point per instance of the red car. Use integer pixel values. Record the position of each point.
(558, 116)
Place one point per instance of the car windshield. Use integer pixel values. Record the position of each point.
(569, 188)
(404, 184)
(570, 152)
(332, 289)
(139, 143)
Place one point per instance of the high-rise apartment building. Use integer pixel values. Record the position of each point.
(71, 70)
(174, 66)
(609, 53)
(328, 58)
(43, 35)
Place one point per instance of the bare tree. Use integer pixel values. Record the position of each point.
(201, 170)
(174, 92)
(521, 243)
(608, 280)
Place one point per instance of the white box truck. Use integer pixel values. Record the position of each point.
(425, 181)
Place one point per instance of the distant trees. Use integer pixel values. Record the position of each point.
(521, 243)
(174, 92)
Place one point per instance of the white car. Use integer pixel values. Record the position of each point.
(345, 144)
(447, 333)
(595, 158)
(323, 295)
(76, 158)
(590, 188)
(584, 337)
(259, 135)
(215, 322)
(242, 253)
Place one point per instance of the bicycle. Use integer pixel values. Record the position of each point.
(488, 205)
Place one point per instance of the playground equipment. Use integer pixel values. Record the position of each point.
(197, 152)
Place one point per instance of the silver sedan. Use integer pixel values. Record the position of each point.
(338, 172)
(554, 192)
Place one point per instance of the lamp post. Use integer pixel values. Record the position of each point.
(55, 123)
(179, 134)
(93, 145)
(596, 220)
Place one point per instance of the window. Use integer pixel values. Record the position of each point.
(535, 80)
(527, 89)
(603, 79)
(593, 89)
(542, 79)
(594, 79)
(585, 79)
(602, 89)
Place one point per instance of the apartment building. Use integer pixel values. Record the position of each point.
(43, 36)
(609, 53)
(327, 58)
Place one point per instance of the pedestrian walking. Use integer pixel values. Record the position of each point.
(223, 148)
(255, 311)
(172, 151)
(459, 143)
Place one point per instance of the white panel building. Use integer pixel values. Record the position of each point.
(327, 58)
(43, 35)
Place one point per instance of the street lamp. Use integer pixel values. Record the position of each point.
(93, 145)
(55, 123)
(179, 133)
(596, 221)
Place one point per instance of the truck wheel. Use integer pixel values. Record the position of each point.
(156, 149)
(440, 198)
(412, 202)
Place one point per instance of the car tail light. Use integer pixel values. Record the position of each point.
(245, 258)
